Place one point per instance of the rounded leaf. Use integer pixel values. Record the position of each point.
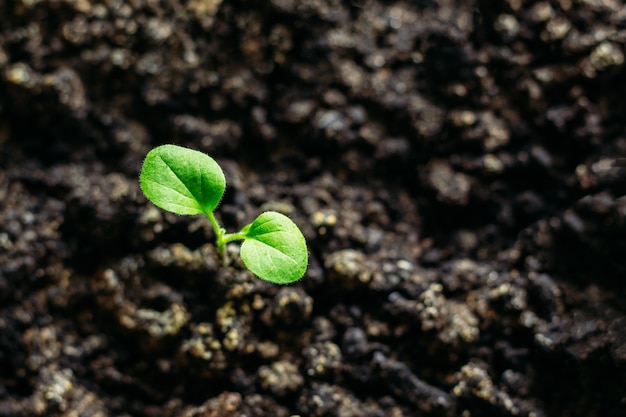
(274, 249)
(182, 180)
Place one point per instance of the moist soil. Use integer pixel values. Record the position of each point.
(457, 168)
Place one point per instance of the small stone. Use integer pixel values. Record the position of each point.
(452, 187)
(280, 378)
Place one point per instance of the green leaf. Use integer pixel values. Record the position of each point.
(274, 249)
(182, 180)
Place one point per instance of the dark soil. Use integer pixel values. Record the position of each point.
(458, 169)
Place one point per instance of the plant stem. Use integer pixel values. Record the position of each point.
(231, 237)
(222, 238)
(219, 238)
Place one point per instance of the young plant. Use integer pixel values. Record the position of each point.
(187, 182)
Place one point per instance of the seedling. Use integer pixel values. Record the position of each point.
(188, 182)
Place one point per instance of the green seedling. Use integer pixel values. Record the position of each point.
(188, 182)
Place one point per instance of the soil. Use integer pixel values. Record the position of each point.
(457, 167)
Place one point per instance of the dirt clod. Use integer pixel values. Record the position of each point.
(458, 169)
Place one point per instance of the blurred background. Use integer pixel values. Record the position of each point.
(457, 167)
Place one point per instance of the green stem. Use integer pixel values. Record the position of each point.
(222, 238)
(219, 237)
(231, 237)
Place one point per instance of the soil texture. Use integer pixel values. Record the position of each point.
(458, 169)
